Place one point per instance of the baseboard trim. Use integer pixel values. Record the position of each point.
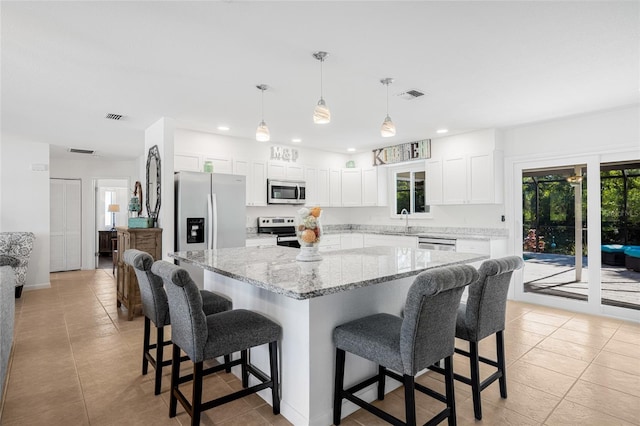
(29, 287)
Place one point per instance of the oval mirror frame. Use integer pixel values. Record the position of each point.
(153, 183)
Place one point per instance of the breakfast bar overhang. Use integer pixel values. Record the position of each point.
(309, 299)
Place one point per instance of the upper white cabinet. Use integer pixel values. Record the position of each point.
(371, 194)
(323, 188)
(351, 187)
(335, 187)
(311, 185)
(434, 182)
(277, 170)
(454, 180)
(466, 179)
(220, 164)
(256, 174)
(186, 163)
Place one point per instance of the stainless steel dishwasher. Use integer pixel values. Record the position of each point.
(432, 243)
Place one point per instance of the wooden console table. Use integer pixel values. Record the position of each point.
(144, 239)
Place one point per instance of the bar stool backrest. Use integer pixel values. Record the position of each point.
(429, 324)
(188, 321)
(487, 302)
(152, 294)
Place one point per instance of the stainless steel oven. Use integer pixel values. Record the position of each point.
(286, 191)
(282, 227)
(431, 243)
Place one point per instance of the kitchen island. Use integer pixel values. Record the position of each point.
(309, 299)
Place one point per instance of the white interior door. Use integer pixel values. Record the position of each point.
(65, 225)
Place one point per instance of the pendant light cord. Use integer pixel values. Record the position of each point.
(321, 61)
(387, 98)
(262, 104)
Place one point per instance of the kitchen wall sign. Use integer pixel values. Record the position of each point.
(284, 154)
(404, 152)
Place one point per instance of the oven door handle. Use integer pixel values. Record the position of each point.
(286, 239)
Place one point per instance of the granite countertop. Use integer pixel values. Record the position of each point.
(275, 268)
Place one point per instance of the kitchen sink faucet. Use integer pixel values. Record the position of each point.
(406, 223)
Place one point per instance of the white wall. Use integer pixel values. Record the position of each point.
(88, 169)
(25, 202)
(468, 216)
(162, 134)
(208, 144)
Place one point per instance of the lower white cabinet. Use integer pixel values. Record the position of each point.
(351, 241)
(494, 247)
(373, 240)
(330, 242)
(266, 241)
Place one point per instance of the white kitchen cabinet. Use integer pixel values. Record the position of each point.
(323, 188)
(311, 186)
(278, 170)
(220, 164)
(186, 163)
(466, 179)
(351, 184)
(433, 168)
(256, 178)
(335, 187)
(454, 180)
(493, 247)
(262, 241)
(329, 242)
(377, 240)
(351, 241)
(370, 187)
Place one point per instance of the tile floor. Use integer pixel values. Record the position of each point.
(77, 361)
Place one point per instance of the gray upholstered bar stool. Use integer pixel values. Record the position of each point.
(484, 315)
(156, 311)
(204, 337)
(406, 344)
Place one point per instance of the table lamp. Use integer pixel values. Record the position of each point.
(113, 209)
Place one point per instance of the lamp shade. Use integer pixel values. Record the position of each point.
(113, 208)
(321, 114)
(262, 133)
(388, 129)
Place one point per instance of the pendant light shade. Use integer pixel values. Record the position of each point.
(262, 132)
(321, 113)
(388, 129)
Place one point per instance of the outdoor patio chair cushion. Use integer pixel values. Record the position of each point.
(613, 248)
(633, 251)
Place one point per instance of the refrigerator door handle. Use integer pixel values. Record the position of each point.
(210, 220)
(214, 222)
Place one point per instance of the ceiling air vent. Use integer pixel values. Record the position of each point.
(111, 116)
(81, 151)
(411, 94)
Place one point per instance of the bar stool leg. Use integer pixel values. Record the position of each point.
(501, 363)
(275, 390)
(475, 379)
(409, 400)
(381, 381)
(145, 345)
(450, 390)
(197, 393)
(175, 376)
(159, 358)
(339, 383)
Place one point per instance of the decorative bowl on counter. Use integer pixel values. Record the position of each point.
(309, 233)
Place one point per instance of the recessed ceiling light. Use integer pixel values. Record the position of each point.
(296, 140)
(351, 149)
(441, 131)
(223, 128)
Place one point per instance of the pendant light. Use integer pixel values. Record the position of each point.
(388, 129)
(321, 114)
(262, 133)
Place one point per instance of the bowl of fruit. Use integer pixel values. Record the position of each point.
(309, 233)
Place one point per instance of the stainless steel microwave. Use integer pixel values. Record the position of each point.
(285, 191)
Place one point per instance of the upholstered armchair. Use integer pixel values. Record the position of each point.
(18, 245)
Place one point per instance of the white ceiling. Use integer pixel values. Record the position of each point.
(482, 65)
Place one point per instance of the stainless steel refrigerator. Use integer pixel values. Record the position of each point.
(209, 213)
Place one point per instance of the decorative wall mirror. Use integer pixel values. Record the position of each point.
(153, 183)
